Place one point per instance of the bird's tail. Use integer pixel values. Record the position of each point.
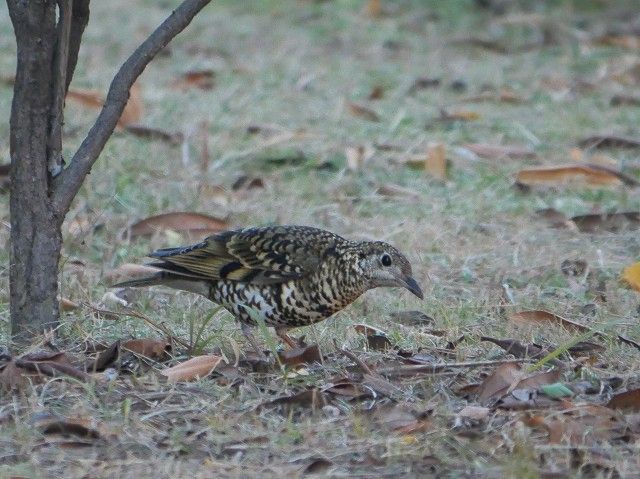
(166, 278)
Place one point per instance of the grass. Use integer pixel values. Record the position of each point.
(292, 66)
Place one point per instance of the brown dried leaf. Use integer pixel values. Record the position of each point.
(150, 133)
(202, 79)
(459, 115)
(374, 8)
(150, 348)
(303, 355)
(581, 425)
(401, 420)
(309, 398)
(133, 110)
(477, 413)
(37, 366)
(349, 389)
(377, 92)
(193, 369)
(67, 305)
(628, 41)
(497, 152)
(626, 400)
(81, 427)
(183, 222)
(377, 339)
(508, 377)
(556, 219)
(540, 316)
(436, 162)
(128, 271)
(356, 157)
(607, 222)
(591, 175)
(394, 191)
(609, 141)
(362, 111)
(631, 275)
(624, 100)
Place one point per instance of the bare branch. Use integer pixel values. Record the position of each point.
(60, 59)
(79, 20)
(67, 184)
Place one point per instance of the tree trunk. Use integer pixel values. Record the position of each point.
(48, 35)
(35, 229)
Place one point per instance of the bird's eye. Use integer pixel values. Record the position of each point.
(385, 259)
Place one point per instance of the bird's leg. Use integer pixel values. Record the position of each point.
(281, 332)
(246, 330)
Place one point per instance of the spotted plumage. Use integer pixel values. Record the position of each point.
(289, 275)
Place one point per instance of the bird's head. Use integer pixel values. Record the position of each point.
(383, 265)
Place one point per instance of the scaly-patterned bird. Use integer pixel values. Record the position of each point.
(290, 275)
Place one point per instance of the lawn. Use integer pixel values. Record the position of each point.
(325, 113)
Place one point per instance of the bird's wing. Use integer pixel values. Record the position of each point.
(258, 255)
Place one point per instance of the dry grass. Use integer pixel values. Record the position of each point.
(290, 67)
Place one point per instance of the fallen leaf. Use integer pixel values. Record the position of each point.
(150, 133)
(556, 219)
(628, 41)
(362, 111)
(376, 93)
(246, 182)
(626, 400)
(306, 355)
(349, 389)
(67, 305)
(459, 115)
(202, 79)
(436, 162)
(609, 141)
(477, 413)
(81, 427)
(193, 224)
(504, 95)
(17, 372)
(377, 339)
(631, 275)
(309, 398)
(510, 377)
(498, 381)
(401, 420)
(423, 83)
(394, 191)
(560, 175)
(150, 348)
(624, 100)
(541, 316)
(607, 222)
(497, 152)
(195, 368)
(374, 8)
(132, 112)
(127, 271)
(581, 425)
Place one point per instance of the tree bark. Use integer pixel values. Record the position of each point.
(35, 227)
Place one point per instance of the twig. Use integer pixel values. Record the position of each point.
(366, 369)
(434, 368)
(67, 184)
(144, 317)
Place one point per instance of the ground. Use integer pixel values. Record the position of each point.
(281, 111)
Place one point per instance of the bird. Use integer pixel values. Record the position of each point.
(285, 275)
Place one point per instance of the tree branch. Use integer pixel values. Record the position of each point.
(79, 20)
(59, 90)
(67, 184)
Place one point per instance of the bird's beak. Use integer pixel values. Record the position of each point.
(412, 285)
